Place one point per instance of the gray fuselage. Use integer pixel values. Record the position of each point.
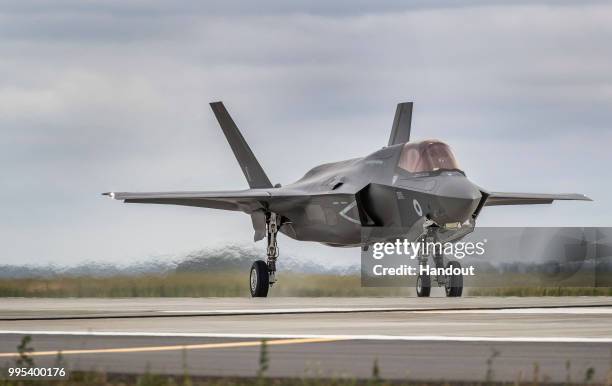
(348, 199)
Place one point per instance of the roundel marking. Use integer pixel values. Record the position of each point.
(417, 207)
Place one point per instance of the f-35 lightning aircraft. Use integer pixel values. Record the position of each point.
(408, 190)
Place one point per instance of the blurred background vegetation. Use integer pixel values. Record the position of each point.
(224, 272)
(219, 284)
(198, 284)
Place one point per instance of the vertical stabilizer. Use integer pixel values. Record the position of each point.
(254, 173)
(400, 132)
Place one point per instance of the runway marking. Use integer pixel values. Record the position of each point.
(288, 311)
(561, 310)
(330, 337)
(531, 310)
(291, 310)
(172, 347)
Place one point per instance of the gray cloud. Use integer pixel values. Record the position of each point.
(113, 96)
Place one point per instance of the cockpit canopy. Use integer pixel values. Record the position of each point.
(427, 156)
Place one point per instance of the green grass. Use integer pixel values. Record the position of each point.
(235, 284)
(261, 378)
(102, 379)
(215, 284)
(541, 291)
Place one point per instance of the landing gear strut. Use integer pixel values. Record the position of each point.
(423, 286)
(263, 273)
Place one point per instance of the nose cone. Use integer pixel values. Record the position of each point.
(457, 199)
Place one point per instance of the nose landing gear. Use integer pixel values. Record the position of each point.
(453, 283)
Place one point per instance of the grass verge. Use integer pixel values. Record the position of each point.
(541, 291)
(217, 284)
(235, 284)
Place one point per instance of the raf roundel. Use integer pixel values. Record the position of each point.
(417, 207)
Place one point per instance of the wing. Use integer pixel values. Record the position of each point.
(500, 198)
(247, 201)
(255, 202)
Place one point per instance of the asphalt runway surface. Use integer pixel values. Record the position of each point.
(411, 338)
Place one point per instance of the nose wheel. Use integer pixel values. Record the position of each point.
(454, 282)
(423, 286)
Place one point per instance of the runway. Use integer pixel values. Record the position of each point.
(436, 338)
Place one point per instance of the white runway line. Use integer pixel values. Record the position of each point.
(288, 310)
(535, 310)
(437, 338)
(572, 311)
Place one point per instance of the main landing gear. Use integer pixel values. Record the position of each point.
(453, 284)
(263, 273)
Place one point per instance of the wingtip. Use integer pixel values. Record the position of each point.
(581, 197)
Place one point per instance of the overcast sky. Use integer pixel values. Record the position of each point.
(113, 95)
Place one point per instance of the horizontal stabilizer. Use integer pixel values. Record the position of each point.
(400, 132)
(500, 198)
(254, 173)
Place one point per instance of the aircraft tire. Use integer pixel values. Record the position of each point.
(423, 286)
(454, 283)
(259, 279)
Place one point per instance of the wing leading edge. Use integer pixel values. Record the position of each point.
(248, 201)
(501, 198)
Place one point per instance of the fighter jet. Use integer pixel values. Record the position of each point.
(409, 190)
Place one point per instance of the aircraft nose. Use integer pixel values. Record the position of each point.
(458, 198)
